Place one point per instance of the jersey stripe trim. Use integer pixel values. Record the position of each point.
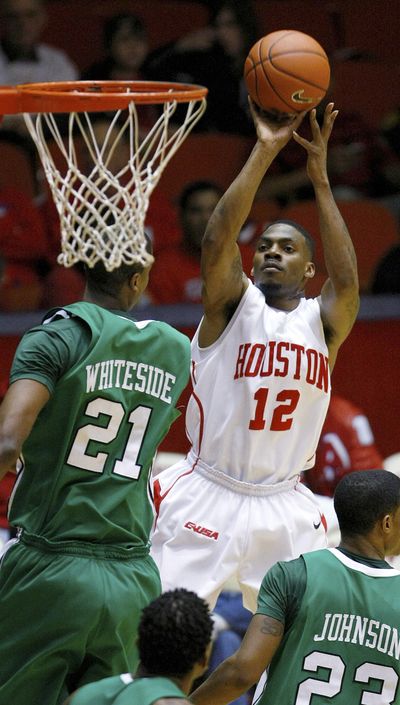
(362, 568)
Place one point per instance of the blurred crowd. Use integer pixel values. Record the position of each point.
(364, 162)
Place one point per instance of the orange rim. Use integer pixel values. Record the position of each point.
(86, 96)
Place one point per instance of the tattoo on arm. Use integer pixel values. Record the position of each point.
(272, 627)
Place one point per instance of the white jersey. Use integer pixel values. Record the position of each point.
(260, 392)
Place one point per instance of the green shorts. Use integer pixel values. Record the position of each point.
(68, 619)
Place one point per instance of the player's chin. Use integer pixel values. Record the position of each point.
(269, 288)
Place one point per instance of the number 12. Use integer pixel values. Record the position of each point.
(289, 399)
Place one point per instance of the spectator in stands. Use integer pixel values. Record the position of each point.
(176, 275)
(347, 443)
(126, 47)
(23, 245)
(23, 58)
(390, 140)
(356, 165)
(386, 278)
(214, 56)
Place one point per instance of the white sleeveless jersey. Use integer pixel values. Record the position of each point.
(260, 392)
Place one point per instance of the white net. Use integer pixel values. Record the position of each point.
(101, 171)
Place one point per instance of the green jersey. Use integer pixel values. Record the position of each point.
(87, 460)
(343, 646)
(126, 690)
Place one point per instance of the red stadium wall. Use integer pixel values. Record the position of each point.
(367, 372)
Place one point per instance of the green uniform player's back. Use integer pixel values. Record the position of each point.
(88, 457)
(343, 647)
(126, 690)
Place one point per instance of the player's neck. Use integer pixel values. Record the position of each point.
(280, 300)
(111, 303)
(184, 683)
(363, 546)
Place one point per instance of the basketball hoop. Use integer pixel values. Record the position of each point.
(101, 180)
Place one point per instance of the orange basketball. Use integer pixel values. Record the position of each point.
(287, 71)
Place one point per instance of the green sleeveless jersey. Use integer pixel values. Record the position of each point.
(126, 690)
(88, 457)
(343, 647)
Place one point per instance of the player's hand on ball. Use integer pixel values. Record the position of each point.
(273, 127)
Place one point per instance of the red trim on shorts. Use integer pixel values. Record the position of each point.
(324, 522)
(158, 497)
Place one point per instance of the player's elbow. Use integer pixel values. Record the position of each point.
(9, 452)
(244, 674)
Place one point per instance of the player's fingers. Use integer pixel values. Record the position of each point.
(315, 129)
(328, 124)
(299, 119)
(304, 143)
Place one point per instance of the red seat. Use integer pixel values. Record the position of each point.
(205, 156)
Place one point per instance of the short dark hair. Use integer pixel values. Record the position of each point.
(307, 236)
(174, 632)
(363, 497)
(99, 280)
(196, 186)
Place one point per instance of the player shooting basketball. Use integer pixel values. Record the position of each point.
(262, 358)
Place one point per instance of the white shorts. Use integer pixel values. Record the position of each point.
(210, 528)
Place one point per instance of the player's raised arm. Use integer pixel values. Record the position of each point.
(339, 299)
(223, 280)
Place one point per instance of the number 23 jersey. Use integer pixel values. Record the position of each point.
(260, 392)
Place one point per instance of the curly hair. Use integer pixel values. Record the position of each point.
(174, 632)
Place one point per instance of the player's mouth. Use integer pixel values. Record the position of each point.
(272, 265)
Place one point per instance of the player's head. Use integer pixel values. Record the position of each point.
(367, 502)
(196, 205)
(283, 258)
(175, 634)
(125, 284)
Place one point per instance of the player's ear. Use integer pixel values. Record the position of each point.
(134, 281)
(309, 270)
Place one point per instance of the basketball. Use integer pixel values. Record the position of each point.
(287, 71)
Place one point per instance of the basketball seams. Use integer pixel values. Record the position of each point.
(261, 64)
(298, 78)
(278, 74)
